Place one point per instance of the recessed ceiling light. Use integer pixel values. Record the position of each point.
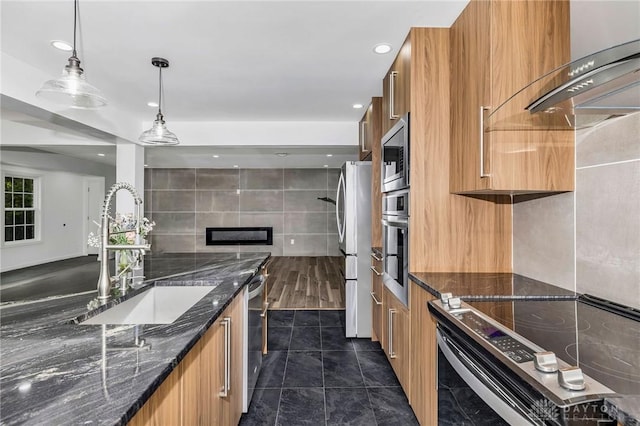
(216, 156)
(357, 106)
(62, 45)
(235, 165)
(382, 48)
(282, 154)
(329, 155)
(146, 165)
(152, 104)
(100, 154)
(326, 165)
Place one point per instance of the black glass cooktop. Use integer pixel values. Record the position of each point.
(605, 345)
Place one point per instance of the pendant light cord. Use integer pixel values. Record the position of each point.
(75, 18)
(160, 92)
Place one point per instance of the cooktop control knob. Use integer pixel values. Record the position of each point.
(455, 303)
(545, 362)
(444, 298)
(571, 378)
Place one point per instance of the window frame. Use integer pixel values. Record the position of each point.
(37, 208)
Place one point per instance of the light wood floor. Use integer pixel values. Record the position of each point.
(305, 283)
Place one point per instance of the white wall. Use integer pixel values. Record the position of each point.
(62, 206)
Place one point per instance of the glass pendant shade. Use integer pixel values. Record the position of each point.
(72, 89)
(158, 134)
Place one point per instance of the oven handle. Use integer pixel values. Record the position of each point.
(482, 384)
(400, 223)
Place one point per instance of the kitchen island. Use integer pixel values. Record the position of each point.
(55, 371)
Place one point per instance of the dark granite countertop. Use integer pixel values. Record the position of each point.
(377, 251)
(482, 286)
(56, 372)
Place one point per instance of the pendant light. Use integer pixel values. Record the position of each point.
(72, 89)
(158, 134)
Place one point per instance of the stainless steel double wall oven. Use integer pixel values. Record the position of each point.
(395, 209)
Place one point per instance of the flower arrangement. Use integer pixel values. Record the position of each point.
(122, 230)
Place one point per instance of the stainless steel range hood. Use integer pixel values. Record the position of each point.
(583, 93)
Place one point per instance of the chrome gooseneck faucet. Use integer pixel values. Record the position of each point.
(105, 280)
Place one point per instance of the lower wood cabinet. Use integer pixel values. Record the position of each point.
(423, 391)
(396, 318)
(206, 387)
(377, 303)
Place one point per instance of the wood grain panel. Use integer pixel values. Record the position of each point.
(470, 89)
(164, 408)
(377, 311)
(193, 400)
(447, 232)
(423, 395)
(398, 333)
(376, 159)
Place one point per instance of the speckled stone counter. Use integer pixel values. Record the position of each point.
(56, 372)
(626, 410)
(483, 286)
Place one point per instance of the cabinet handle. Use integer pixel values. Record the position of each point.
(379, 259)
(226, 323)
(483, 110)
(373, 268)
(362, 136)
(264, 313)
(392, 95)
(392, 354)
(373, 295)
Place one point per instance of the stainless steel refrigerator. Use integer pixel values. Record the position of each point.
(353, 217)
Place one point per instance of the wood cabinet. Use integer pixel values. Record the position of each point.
(497, 48)
(375, 133)
(396, 319)
(194, 392)
(423, 394)
(377, 302)
(396, 87)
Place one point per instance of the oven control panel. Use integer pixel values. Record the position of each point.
(506, 344)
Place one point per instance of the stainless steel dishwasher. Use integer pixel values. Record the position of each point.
(255, 313)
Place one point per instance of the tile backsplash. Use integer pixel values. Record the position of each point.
(183, 202)
(589, 240)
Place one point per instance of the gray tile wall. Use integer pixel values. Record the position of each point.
(589, 240)
(183, 202)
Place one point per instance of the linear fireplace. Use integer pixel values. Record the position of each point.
(244, 235)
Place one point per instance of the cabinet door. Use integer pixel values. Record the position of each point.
(164, 407)
(212, 374)
(424, 356)
(231, 363)
(494, 54)
(375, 127)
(396, 88)
(377, 304)
(398, 334)
(470, 92)
(364, 134)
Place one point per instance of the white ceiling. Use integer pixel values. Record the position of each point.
(231, 61)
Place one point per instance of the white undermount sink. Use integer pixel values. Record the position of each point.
(158, 305)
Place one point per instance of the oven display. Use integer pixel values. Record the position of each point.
(500, 340)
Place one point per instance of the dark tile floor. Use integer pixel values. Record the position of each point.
(313, 375)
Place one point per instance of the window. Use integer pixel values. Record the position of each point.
(19, 209)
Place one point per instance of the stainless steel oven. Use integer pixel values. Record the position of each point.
(395, 156)
(395, 243)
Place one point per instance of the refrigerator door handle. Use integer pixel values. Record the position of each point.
(341, 189)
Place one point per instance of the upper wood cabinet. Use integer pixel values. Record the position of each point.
(370, 129)
(497, 48)
(396, 87)
(375, 134)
